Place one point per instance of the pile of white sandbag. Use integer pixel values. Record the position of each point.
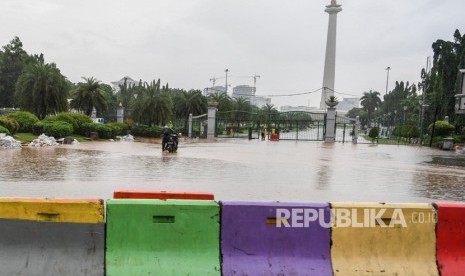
(128, 138)
(43, 141)
(8, 142)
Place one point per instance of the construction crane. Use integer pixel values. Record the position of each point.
(215, 78)
(254, 80)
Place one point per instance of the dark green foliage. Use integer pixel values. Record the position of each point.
(370, 101)
(373, 134)
(122, 128)
(153, 104)
(441, 129)
(4, 130)
(9, 123)
(42, 89)
(104, 131)
(406, 131)
(57, 129)
(442, 82)
(26, 120)
(146, 131)
(80, 119)
(75, 119)
(89, 95)
(13, 59)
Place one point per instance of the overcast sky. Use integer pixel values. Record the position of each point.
(186, 43)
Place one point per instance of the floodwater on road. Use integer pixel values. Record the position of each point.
(238, 169)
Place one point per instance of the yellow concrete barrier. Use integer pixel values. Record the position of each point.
(56, 210)
(383, 239)
(52, 237)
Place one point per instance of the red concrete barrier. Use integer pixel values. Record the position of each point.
(450, 232)
(163, 195)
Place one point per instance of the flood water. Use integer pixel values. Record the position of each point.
(238, 169)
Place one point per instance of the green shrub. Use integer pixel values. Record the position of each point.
(4, 130)
(38, 128)
(441, 128)
(412, 132)
(80, 119)
(104, 131)
(122, 128)
(10, 124)
(146, 131)
(373, 134)
(62, 117)
(26, 120)
(57, 129)
(77, 120)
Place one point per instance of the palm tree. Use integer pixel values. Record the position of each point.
(153, 104)
(89, 95)
(223, 100)
(242, 109)
(42, 89)
(269, 113)
(370, 101)
(196, 103)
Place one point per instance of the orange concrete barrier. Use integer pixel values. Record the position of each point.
(163, 195)
(383, 239)
(450, 233)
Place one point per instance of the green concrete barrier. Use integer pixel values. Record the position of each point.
(162, 237)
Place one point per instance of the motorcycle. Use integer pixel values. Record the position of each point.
(172, 143)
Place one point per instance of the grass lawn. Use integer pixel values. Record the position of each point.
(28, 137)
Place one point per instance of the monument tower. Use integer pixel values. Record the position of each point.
(330, 56)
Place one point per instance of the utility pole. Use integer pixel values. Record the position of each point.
(387, 79)
(226, 86)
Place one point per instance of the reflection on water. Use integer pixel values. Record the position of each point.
(238, 170)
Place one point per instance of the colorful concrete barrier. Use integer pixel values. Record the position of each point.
(383, 239)
(51, 237)
(275, 239)
(158, 237)
(163, 195)
(450, 233)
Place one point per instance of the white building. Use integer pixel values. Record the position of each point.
(260, 101)
(244, 91)
(214, 89)
(129, 82)
(348, 103)
(288, 108)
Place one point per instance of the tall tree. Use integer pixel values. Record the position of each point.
(196, 103)
(224, 101)
(13, 59)
(448, 58)
(42, 89)
(89, 95)
(242, 109)
(153, 104)
(370, 101)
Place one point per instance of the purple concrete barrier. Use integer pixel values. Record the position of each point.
(253, 244)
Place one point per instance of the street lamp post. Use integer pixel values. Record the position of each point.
(226, 88)
(421, 121)
(387, 78)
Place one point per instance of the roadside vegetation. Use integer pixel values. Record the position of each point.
(35, 97)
